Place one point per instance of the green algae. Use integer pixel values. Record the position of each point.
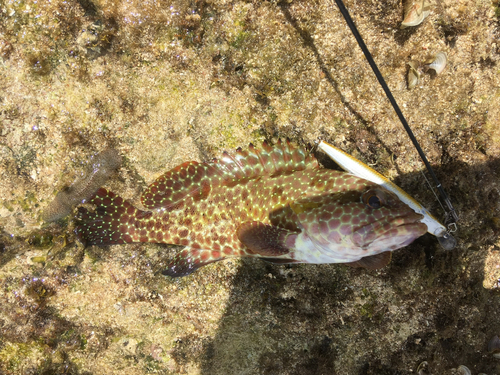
(165, 85)
(8, 206)
(40, 240)
(15, 355)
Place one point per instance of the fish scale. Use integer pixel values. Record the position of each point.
(275, 203)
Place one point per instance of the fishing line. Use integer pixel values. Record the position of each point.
(432, 189)
(452, 227)
(451, 216)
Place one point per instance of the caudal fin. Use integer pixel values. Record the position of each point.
(113, 221)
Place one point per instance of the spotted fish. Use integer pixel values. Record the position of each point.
(274, 203)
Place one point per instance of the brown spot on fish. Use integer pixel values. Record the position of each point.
(204, 192)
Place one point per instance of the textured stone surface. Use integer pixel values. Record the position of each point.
(167, 82)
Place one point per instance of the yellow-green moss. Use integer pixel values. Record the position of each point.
(167, 82)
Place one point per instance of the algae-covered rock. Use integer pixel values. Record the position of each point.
(164, 82)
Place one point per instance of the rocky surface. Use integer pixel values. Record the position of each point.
(169, 81)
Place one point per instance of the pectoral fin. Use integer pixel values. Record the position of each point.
(264, 239)
(373, 262)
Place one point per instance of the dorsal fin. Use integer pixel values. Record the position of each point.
(197, 179)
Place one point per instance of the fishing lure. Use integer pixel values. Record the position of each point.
(274, 203)
(359, 169)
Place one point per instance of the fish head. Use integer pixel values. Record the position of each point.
(349, 225)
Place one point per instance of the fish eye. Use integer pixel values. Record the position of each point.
(372, 200)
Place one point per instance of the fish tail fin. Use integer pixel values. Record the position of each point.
(189, 260)
(113, 221)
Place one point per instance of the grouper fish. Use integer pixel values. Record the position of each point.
(274, 203)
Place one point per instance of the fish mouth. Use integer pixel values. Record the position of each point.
(410, 218)
(393, 234)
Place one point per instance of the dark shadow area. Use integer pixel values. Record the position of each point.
(427, 305)
(403, 35)
(259, 303)
(89, 7)
(301, 319)
(7, 249)
(31, 321)
(452, 30)
(305, 319)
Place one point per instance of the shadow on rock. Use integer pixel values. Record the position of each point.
(428, 305)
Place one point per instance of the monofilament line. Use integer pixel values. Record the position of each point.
(451, 216)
